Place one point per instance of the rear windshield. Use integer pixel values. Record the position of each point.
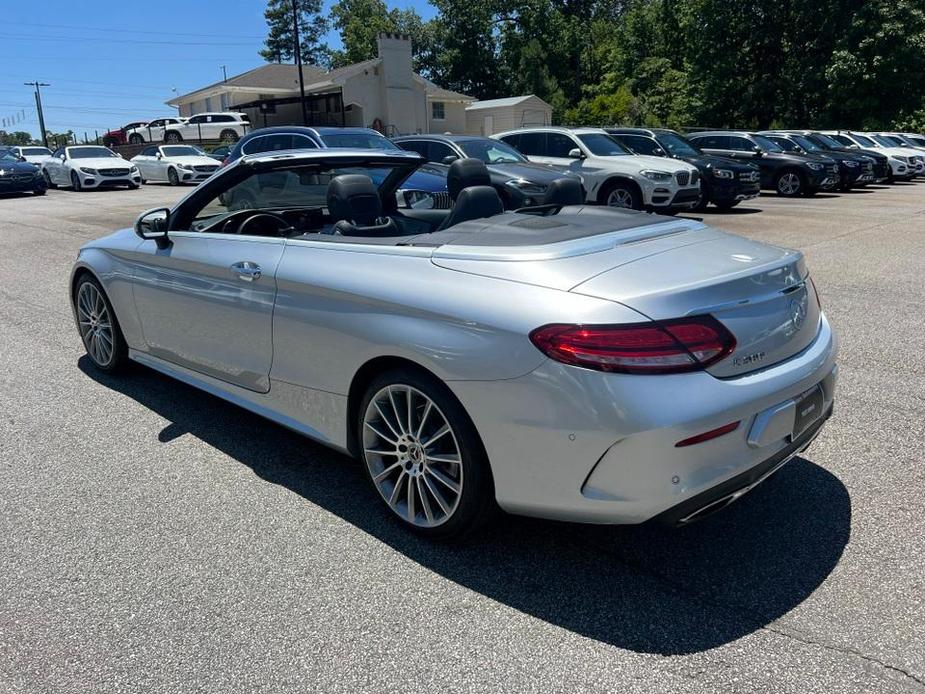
(603, 145)
(358, 141)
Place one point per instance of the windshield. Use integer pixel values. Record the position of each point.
(766, 144)
(357, 141)
(785, 144)
(603, 145)
(675, 144)
(7, 155)
(826, 141)
(491, 151)
(882, 140)
(181, 151)
(807, 144)
(35, 151)
(918, 141)
(864, 141)
(88, 152)
(895, 140)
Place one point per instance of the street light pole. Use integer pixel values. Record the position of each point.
(38, 107)
(298, 58)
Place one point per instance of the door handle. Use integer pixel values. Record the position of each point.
(247, 270)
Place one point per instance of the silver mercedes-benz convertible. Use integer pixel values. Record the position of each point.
(566, 361)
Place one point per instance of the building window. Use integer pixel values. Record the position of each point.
(224, 101)
(437, 110)
(208, 103)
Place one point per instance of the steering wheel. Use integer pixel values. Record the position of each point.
(282, 230)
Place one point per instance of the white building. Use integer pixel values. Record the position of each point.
(383, 92)
(497, 115)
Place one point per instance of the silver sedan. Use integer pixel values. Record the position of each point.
(567, 361)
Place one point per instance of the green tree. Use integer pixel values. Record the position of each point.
(17, 137)
(279, 46)
(359, 23)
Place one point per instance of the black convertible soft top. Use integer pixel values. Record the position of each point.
(518, 229)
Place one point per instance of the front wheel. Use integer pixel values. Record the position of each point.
(135, 139)
(39, 191)
(48, 182)
(727, 205)
(622, 195)
(172, 177)
(173, 137)
(789, 184)
(423, 455)
(75, 182)
(99, 329)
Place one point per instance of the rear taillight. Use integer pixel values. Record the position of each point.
(657, 347)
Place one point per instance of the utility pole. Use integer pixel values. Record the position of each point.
(224, 74)
(38, 107)
(298, 58)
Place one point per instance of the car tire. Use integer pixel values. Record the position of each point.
(98, 326)
(727, 205)
(621, 195)
(789, 183)
(172, 177)
(134, 186)
(228, 136)
(144, 181)
(135, 139)
(423, 455)
(75, 182)
(48, 181)
(39, 191)
(173, 137)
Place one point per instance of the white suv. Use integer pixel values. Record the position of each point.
(153, 131)
(611, 174)
(902, 166)
(225, 127)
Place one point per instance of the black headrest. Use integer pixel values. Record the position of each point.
(474, 202)
(564, 191)
(464, 173)
(354, 197)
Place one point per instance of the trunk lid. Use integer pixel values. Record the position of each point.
(761, 293)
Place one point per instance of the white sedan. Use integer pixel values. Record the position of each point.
(88, 166)
(33, 155)
(175, 164)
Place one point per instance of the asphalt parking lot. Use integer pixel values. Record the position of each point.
(156, 539)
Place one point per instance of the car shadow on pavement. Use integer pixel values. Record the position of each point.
(642, 588)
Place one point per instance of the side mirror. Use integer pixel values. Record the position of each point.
(62, 157)
(575, 154)
(152, 225)
(757, 150)
(449, 159)
(159, 155)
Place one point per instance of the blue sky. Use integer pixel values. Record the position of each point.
(113, 61)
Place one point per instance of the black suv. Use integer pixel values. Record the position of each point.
(787, 173)
(519, 182)
(854, 170)
(829, 144)
(724, 182)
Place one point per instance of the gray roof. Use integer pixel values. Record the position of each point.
(500, 103)
(269, 76)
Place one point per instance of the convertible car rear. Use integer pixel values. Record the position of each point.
(566, 360)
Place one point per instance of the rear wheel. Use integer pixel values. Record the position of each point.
(423, 455)
(789, 183)
(173, 137)
(228, 136)
(99, 329)
(623, 195)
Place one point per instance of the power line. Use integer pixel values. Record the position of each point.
(85, 39)
(138, 31)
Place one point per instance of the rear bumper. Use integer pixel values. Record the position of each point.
(579, 445)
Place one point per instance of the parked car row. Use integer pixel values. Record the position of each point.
(225, 126)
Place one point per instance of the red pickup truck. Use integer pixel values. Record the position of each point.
(117, 137)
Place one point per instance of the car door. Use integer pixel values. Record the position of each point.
(205, 301)
(143, 162)
(56, 169)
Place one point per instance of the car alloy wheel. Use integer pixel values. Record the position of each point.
(96, 326)
(620, 197)
(172, 177)
(228, 136)
(172, 137)
(413, 456)
(789, 183)
(75, 181)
